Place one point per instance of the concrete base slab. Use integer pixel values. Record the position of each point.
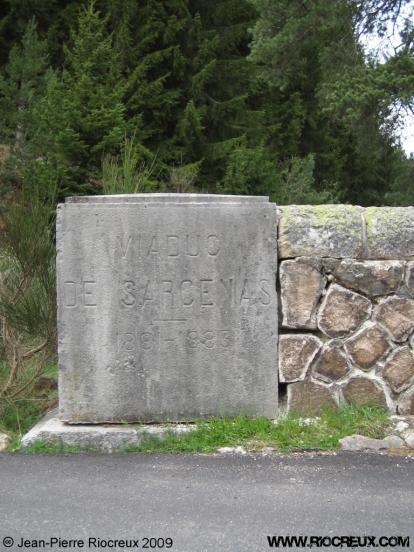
(106, 438)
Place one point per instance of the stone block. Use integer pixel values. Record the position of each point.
(332, 363)
(409, 439)
(301, 287)
(363, 391)
(370, 277)
(321, 231)
(309, 398)
(390, 232)
(167, 308)
(409, 277)
(342, 311)
(398, 369)
(406, 402)
(368, 346)
(296, 352)
(359, 443)
(396, 314)
(105, 438)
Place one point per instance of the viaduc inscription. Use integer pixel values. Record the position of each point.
(167, 307)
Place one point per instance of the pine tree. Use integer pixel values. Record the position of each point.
(188, 80)
(54, 20)
(157, 42)
(22, 84)
(82, 117)
(304, 50)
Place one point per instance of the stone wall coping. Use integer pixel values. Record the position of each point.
(346, 231)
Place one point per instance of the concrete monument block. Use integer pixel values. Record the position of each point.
(167, 307)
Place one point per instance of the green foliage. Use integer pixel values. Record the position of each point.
(251, 171)
(24, 81)
(27, 291)
(129, 174)
(27, 286)
(183, 177)
(186, 79)
(311, 62)
(266, 97)
(18, 415)
(82, 115)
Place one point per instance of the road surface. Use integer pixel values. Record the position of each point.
(202, 503)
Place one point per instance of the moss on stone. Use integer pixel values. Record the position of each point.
(334, 216)
(389, 216)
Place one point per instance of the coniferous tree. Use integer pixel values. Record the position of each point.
(177, 77)
(22, 84)
(157, 42)
(188, 80)
(302, 50)
(82, 116)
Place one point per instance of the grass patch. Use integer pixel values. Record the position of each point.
(289, 434)
(19, 415)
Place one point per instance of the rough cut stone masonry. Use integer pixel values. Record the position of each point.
(346, 285)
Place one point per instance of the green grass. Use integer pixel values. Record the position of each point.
(18, 417)
(21, 414)
(291, 433)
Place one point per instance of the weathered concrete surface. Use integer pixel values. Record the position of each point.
(168, 198)
(105, 438)
(332, 363)
(360, 391)
(370, 277)
(301, 287)
(167, 310)
(396, 314)
(390, 232)
(398, 369)
(368, 346)
(321, 231)
(342, 311)
(296, 352)
(308, 398)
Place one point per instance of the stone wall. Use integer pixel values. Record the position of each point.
(346, 285)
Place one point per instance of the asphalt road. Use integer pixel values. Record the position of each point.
(203, 503)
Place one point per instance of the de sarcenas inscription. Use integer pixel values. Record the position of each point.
(167, 307)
